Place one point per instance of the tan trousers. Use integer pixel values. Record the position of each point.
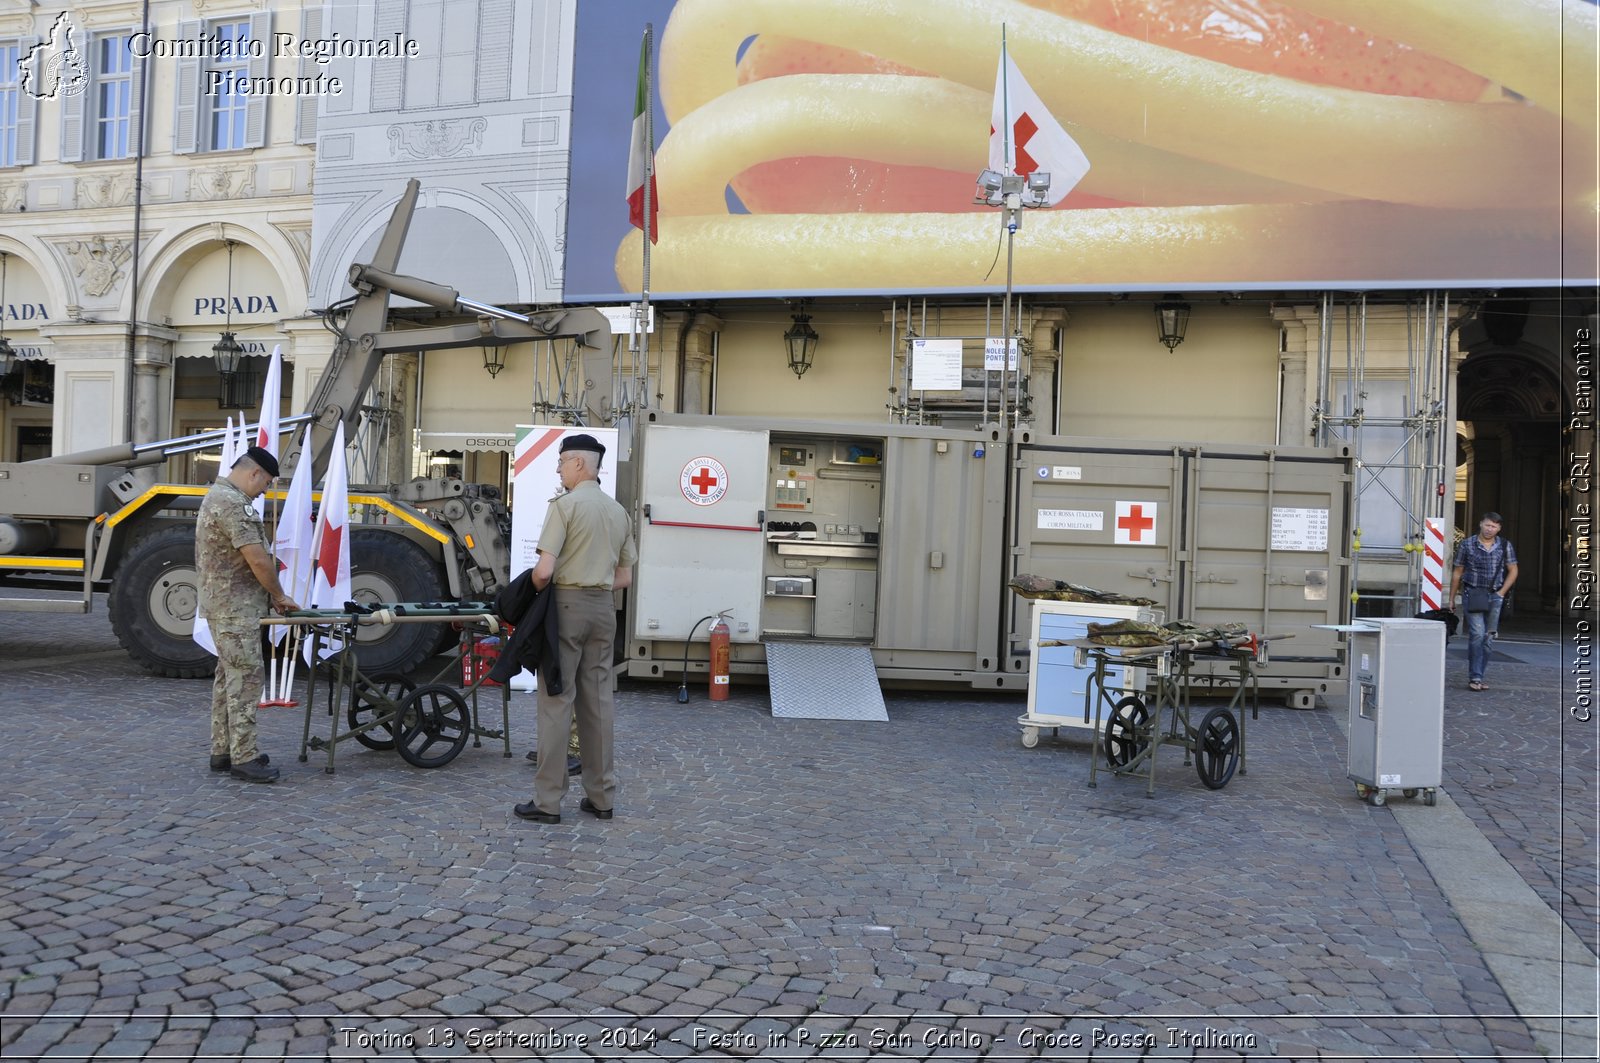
(588, 622)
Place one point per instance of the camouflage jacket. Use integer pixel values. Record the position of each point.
(228, 589)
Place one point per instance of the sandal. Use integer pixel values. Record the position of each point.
(1476, 684)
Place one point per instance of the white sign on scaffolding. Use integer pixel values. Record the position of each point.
(936, 365)
(994, 354)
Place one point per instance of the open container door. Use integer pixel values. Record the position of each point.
(701, 541)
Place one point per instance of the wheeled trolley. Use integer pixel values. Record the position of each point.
(1396, 725)
(1131, 725)
(427, 723)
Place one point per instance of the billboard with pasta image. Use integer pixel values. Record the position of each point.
(816, 146)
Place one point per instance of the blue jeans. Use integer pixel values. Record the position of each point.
(1479, 627)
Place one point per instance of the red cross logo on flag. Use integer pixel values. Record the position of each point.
(1025, 137)
(1136, 523)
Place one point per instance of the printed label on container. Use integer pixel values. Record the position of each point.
(1072, 519)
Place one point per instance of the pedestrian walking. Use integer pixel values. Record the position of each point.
(1485, 569)
(238, 580)
(587, 550)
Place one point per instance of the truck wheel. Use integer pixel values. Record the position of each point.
(152, 604)
(388, 568)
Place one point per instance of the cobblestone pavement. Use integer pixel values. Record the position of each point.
(1524, 770)
(925, 888)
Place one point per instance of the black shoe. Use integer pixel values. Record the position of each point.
(535, 813)
(222, 762)
(598, 813)
(574, 764)
(254, 771)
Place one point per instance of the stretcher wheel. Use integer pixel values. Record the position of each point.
(1125, 731)
(1030, 737)
(373, 698)
(1218, 752)
(433, 724)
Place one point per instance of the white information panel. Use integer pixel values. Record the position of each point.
(1299, 529)
(936, 365)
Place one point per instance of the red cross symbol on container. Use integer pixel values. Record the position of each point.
(1133, 520)
(703, 480)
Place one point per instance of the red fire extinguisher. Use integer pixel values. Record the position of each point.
(719, 660)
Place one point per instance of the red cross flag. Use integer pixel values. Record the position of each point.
(1023, 137)
(330, 550)
(1136, 523)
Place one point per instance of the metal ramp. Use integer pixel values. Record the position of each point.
(824, 681)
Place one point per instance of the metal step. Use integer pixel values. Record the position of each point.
(824, 681)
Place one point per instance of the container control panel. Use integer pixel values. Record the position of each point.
(793, 479)
(824, 512)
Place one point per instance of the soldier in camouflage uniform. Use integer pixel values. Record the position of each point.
(238, 578)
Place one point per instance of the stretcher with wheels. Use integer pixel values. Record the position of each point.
(428, 723)
(1130, 725)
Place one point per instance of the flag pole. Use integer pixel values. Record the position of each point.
(643, 323)
(1009, 221)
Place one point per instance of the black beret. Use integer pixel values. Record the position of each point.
(263, 458)
(583, 441)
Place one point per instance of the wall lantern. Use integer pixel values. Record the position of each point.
(1172, 321)
(227, 350)
(494, 360)
(801, 340)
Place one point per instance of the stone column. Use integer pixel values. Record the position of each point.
(1297, 368)
(699, 342)
(1042, 368)
(152, 394)
(91, 384)
(1533, 479)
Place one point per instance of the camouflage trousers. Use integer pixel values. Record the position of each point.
(237, 688)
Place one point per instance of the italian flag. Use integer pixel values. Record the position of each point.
(640, 151)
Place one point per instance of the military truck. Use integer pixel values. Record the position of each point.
(87, 523)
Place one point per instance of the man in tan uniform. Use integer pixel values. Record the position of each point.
(237, 580)
(587, 549)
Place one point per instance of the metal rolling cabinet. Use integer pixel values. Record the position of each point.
(1396, 735)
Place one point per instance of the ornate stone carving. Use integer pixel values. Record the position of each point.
(105, 190)
(98, 262)
(300, 236)
(13, 194)
(445, 138)
(222, 182)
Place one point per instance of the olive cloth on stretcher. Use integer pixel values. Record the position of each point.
(1055, 590)
(1135, 634)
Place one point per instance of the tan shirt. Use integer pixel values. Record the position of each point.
(228, 588)
(589, 534)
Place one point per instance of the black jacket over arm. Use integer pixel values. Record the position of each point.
(533, 643)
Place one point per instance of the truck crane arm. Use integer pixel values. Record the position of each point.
(363, 341)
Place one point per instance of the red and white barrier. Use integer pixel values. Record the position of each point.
(1434, 589)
